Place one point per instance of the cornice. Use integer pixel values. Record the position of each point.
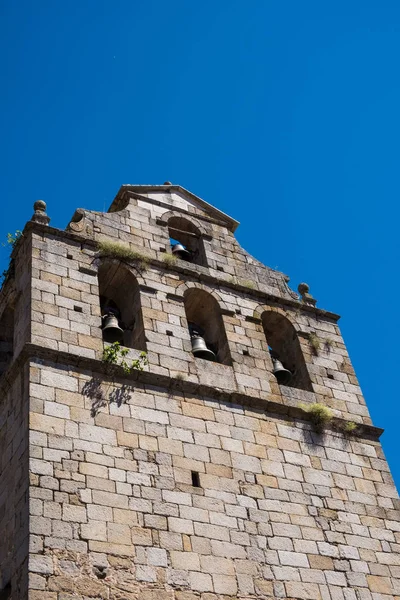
(286, 410)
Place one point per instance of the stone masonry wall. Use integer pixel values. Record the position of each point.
(14, 485)
(15, 321)
(66, 317)
(115, 509)
(281, 512)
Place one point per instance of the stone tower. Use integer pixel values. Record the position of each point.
(223, 449)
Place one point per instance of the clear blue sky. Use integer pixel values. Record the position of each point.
(283, 114)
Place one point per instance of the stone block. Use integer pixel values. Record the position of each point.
(41, 564)
(185, 561)
(217, 565)
(200, 582)
(293, 559)
(76, 514)
(225, 584)
(94, 530)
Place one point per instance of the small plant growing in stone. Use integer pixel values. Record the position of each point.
(10, 243)
(180, 377)
(114, 354)
(169, 259)
(320, 415)
(328, 344)
(314, 342)
(12, 239)
(122, 251)
(350, 428)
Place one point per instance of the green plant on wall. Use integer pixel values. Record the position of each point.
(314, 342)
(328, 344)
(122, 251)
(10, 243)
(12, 239)
(169, 259)
(115, 354)
(320, 415)
(350, 428)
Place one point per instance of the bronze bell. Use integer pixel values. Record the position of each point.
(282, 375)
(180, 251)
(112, 332)
(199, 348)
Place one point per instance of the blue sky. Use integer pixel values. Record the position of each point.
(284, 114)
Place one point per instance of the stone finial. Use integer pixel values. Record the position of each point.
(40, 215)
(167, 183)
(307, 298)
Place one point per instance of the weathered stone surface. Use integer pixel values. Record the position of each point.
(192, 480)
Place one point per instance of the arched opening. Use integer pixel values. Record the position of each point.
(287, 358)
(6, 339)
(206, 327)
(186, 241)
(120, 305)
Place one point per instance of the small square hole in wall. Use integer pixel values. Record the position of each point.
(78, 309)
(170, 333)
(70, 256)
(219, 268)
(195, 479)
(330, 376)
(162, 250)
(245, 352)
(238, 311)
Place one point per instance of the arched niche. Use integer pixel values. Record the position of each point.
(284, 344)
(6, 338)
(184, 232)
(203, 312)
(119, 291)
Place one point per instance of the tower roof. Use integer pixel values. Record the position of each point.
(152, 191)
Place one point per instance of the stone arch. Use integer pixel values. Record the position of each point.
(203, 228)
(265, 307)
(204, 317)
(186, 285)
(120, 294)
(187, 231)
(283, 342)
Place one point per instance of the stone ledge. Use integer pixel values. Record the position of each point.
(285, 410)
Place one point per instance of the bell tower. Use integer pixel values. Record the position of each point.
(176, 423)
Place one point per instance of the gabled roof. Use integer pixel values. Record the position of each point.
(213, 212)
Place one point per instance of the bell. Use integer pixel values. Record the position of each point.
(199, 348)
(180, 251)
(282, 375)
(112, 332)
